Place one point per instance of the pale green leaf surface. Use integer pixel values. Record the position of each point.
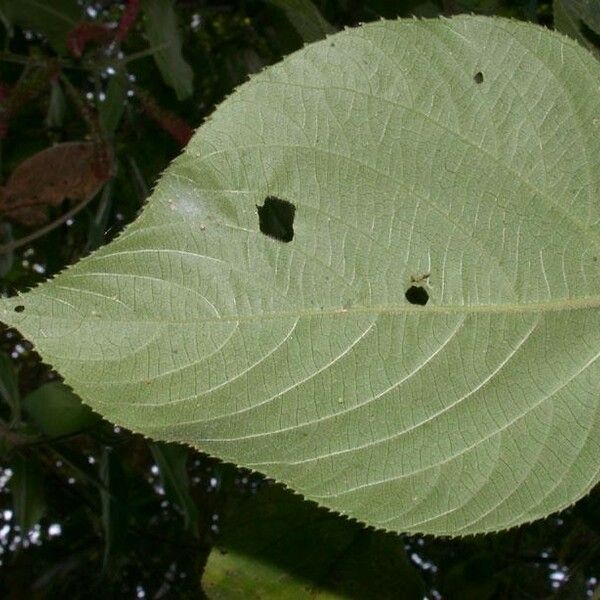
(304, 360)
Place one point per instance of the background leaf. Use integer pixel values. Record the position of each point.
(71, 171)
(114, 505)
(172, 465)
(26, 487)
(6, 258)
(57, 411)
(569, 21)
(586, 10)
(163, 33)
(111, 110)
(414, 157)
(53, 19)
(57, 107)
(9, 386)
(305, 18)
(277, 546)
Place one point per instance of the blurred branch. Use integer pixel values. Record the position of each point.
(13, 438)
(143, 53)
(21, 59)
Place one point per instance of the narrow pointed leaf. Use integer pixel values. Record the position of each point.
(571, 17)
(9, 386)
(164, 34)
(172, 465)
(111, 110)
(305, 17)
(416, 343)
(27, 489)
(114, 504)
(588, 11)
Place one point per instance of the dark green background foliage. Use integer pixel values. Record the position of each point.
(93, 511)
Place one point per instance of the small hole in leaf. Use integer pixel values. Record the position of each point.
(19, 308)
(276, 219)
(478, 77)
(416, 294)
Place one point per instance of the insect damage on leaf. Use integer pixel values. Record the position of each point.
(276, 219)
(417, 294)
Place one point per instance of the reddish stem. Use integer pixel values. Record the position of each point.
(85, 32)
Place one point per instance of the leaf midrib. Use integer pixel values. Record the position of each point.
(571, 304)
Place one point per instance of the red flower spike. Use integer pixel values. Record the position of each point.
(175, 126)
(130, 15)
(85, 32)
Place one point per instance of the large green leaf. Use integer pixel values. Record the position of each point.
(467, 149)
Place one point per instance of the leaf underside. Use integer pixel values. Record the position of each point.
(461, 156)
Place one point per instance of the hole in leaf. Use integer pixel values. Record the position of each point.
(416, 294)
(19, 308)
(276, 219)
(478, 77)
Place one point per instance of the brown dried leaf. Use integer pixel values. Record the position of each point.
(72, 171)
